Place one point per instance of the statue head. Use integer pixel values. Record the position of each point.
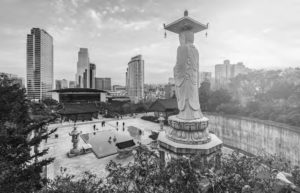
(186, 37)
(181, 39)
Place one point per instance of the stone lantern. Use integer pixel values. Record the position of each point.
(161, 121)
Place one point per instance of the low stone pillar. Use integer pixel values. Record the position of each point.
(162, 155)
(204, 161)
(218, 159)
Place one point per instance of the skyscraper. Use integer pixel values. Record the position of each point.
(39, 64)
(82, 68)
(135, 78)
(86, 71)
(92, 70)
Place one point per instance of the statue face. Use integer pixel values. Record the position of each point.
(186, 37)
(181, 39)
(189, 37)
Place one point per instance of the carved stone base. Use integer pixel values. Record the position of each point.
(188, 125)
(189, 137)
(214, 145)
(188, 131)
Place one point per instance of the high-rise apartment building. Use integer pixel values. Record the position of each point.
(224, 72)
(39, 64)
(86, 71)
(135, 78)
(103, 84)
(239, 68)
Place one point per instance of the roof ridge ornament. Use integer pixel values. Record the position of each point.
(186, 13)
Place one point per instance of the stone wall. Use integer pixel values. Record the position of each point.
(253, 135)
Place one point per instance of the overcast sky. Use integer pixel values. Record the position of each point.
(260, 33)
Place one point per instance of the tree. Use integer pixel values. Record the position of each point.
(50, 102)
(65, 183)
(238, 173)
(20, 168)
(204, 94)
(217, 98)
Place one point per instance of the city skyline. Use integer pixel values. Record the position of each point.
(253, 32)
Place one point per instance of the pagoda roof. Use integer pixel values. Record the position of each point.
(186, 23)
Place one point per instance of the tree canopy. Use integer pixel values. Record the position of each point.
(21, 163)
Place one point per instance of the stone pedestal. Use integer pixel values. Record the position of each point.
(188, 137)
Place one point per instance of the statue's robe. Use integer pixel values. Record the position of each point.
(186, 72)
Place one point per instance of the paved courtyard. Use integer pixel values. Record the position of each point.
(58, 147)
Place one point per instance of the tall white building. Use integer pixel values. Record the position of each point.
(82, 68)
(86, 71)
(39, 64)
(135, 78)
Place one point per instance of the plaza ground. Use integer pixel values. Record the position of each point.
(58, 147)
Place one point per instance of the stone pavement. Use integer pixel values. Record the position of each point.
(59, 147)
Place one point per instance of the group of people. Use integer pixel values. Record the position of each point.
(117, 123)
(114, 139)
(102, 125)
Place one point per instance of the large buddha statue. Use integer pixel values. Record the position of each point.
(186, 75)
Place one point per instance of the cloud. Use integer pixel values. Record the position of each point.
(254, 32)
(96, 17)
(136, 25)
